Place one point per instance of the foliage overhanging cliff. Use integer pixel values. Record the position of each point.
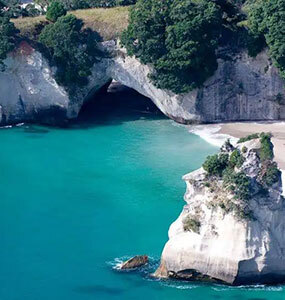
(179, 38)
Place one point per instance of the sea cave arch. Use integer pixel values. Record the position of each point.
(115, 98)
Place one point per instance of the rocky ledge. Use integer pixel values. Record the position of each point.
(242, 88)
(232, 228)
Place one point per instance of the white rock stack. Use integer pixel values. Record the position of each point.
(218, 236)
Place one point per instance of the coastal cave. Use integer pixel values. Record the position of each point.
(117, 100)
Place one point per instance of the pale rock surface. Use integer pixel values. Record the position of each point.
(227, 248)
(242, 88)
(29, 92)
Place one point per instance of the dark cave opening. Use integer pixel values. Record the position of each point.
(117, 101)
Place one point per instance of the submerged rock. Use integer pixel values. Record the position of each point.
(233, 225)
(135, 262)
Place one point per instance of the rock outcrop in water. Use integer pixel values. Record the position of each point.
(242, 88)
(134, 262)
(232, 228)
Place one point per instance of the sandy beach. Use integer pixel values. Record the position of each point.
(276, 128)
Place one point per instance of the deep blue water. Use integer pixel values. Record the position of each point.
(76, 201)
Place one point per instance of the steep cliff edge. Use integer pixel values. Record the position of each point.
(233, 225)
(242, 88)
(29, 91)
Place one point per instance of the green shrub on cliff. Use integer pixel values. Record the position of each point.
(248, 138)
(216, 164)
(266, 150)
(238, 183)
(191, 224)
(55, 10)
(272, 174)
(236, 159)
(71, 48)
(267, 19)
(178, 38)
(8, 38)
(8, 30)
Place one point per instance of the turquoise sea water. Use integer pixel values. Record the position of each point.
(74, 202)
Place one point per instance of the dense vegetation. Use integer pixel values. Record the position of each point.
(248, 138)
(62, 38)
(222, 165)
(228, 169)
(216, 164)
(270, 173)
(266, 151)
(7, 33)
(236, 159)
(179, 38)
(71, 48)
(238, 183)
(266, 19)
(55, 10)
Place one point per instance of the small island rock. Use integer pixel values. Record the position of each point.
(135, 262)
(232, 228)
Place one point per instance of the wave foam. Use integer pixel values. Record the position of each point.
(179, 286)
(210, 133)
(257, 287)
(117, 262)
(10, 126)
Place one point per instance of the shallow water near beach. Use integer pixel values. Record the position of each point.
(77, 201)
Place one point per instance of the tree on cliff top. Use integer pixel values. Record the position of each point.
(178, 38)
(72, 48)
(267, 19)
(8, 36)
(55, 10)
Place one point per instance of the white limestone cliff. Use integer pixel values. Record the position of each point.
(227, 245)
(29, 91)
(242, 88)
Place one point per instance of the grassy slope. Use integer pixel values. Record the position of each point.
(108, 22)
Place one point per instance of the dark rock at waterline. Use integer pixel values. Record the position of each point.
(192, 275)
(135, 262)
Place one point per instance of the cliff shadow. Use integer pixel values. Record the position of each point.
(115, 105)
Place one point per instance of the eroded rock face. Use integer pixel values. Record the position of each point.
(242, 88)
(29, 92)
(215, 238)
(28, 88)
